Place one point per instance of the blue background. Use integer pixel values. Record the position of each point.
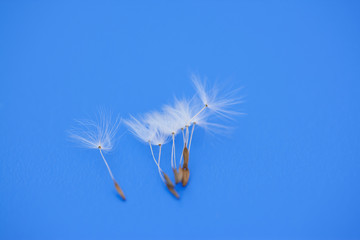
(290, 169)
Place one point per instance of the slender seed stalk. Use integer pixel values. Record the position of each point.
(177, 173)
(192, 133)
(183, 134)
(159, 156)
(111, 175)
(182, 130)
(173, 151)
(158, 165)
(117, 187)
(198, 113)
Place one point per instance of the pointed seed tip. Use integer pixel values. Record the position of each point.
(173, 191)
(119, 190)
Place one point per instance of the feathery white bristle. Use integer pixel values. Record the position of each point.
(160, 138)
(147, 130)
(169, 123)
(220, 103)
(161, 121)
(95, 134)
(184, 112)
(139, 129)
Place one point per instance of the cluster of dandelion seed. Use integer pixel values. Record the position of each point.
(160, 127)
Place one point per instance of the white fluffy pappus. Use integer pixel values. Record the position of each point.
(215, 99)
(184, 113)
(166, 123)
(139, 129)
(160, 138)
(147, 130)
(96, 134)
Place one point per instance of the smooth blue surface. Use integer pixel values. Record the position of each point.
(290, 169)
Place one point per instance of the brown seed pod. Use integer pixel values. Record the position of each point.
(173, 191)
(186, 157)
(170, 186)
(185, 177)
(118, 189)
(168, 182)
(178, 175)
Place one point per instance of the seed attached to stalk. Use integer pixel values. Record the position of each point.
(170, 186)
(119, 190)
(186, 157)
(178, 175)
(185, 169)
(186, 175)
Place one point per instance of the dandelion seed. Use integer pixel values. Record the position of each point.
(99, 135)
(217, 101)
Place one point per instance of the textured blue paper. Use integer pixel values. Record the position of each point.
(289, 170)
